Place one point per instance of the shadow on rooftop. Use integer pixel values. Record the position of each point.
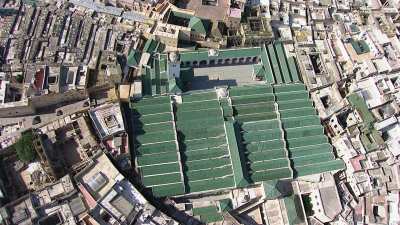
(204, 82)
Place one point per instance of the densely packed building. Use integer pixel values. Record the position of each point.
(199, 112)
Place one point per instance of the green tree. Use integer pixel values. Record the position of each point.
(19, 78)
(24, 147)
(307, 205)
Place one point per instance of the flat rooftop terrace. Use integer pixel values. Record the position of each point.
(216, 13)
(233, 75)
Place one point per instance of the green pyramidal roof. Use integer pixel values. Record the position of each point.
(197, 25)
(239, 175)
(270, 189)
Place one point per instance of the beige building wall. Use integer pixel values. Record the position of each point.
(13, 111)
(52, 99)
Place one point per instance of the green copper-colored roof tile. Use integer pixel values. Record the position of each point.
(196, 24)
(236, 157)
(133, 58)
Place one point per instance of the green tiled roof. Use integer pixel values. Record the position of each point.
(150, 45)
(168, 190)
(270, 189)
(169, 146)
(181, 14)
(211, 184)
(274, 67)
(209, 173)
(258, 70)
(161, 158)
(223, 146)
(270, 164)
(155, 146)
(370, 138)
(250, 90)
(260, 98)
(294, 210)
(354, 28)
(289, 88)
(303, 132)
(200, 96)
(193, 106)
(158, 136)
(312, 159)
(293, 69)
(269, 75)
(237, 159)
(161, 169)
(156, 118)
(206, 154)
(321, 167)
(196, 24)
(261, 138)
(162, 179)
(225, 205)
(274, 64)
(133, 58)
(30, 2)
(280, 52)
(207, 163)
(358, 103)
(265, 145)
(310, 150)
(360, 46)
(203, 145)
(279, 173)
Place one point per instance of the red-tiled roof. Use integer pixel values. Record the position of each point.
(90, 201)
(355, 162)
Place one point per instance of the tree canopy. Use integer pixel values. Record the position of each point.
(19, 78)
(307, 205)
(24, 147)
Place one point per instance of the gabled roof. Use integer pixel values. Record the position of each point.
(271, 190)
(133, 58)
(196, 24)
(150, 45)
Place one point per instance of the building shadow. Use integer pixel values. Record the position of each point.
(204, 82)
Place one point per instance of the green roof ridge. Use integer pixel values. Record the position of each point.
(239, 176)
(133, 58)
(196, 24)
(294, 210)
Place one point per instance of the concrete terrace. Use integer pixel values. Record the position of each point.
(210, 77)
